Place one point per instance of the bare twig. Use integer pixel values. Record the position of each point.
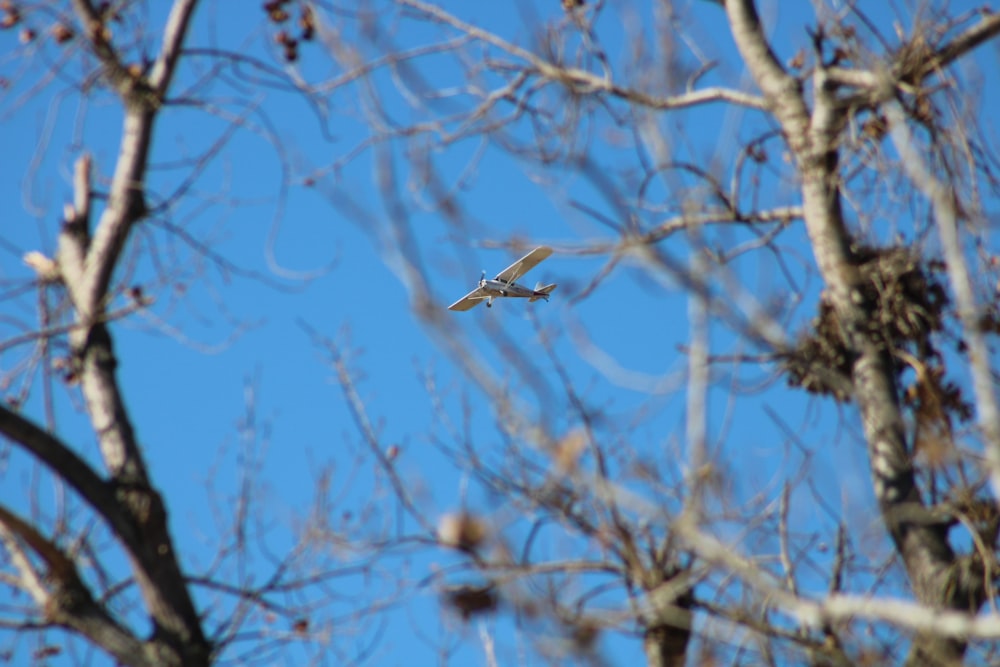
(943, 201)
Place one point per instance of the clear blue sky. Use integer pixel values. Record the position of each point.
(187, 364)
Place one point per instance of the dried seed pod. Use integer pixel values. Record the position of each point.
(462, 531)
(471, 600)
(61, 33)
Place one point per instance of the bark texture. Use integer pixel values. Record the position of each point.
(812, 130)
(125, 498)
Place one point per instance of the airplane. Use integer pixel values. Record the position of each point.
(504, 286)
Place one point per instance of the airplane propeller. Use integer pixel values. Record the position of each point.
(482, 279)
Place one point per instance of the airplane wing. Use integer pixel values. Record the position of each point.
(470, 300)
(523, 265)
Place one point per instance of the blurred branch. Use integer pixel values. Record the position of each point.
(87, 263)
(782, 216)
(814, 138)
(358, 411)
(583, 82)
(62, 595)
(838, 607)
(52, 332)
(944, 203)
(174, 35)
(65, 463)
(917, 61)
(99, 38)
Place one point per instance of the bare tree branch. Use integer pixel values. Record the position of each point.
(954, 625)
(944, 203)
(65, 463)
(584, 82)
(64, 597)
(814, 138)
(919, 65)
(163, 70)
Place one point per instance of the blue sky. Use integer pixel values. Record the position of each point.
(214, 335)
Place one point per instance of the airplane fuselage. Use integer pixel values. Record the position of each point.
(500, 288)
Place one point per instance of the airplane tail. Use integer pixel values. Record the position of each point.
(542, 292)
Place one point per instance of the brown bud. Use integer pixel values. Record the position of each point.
(99, 32)
(875, 127)
(307, 23)
(924, 110)
(798, 60)
(10, 19)
(46, 651)
(26, 36)
(61, 33)
(757, 153)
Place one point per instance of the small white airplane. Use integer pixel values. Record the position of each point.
(504, 286)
